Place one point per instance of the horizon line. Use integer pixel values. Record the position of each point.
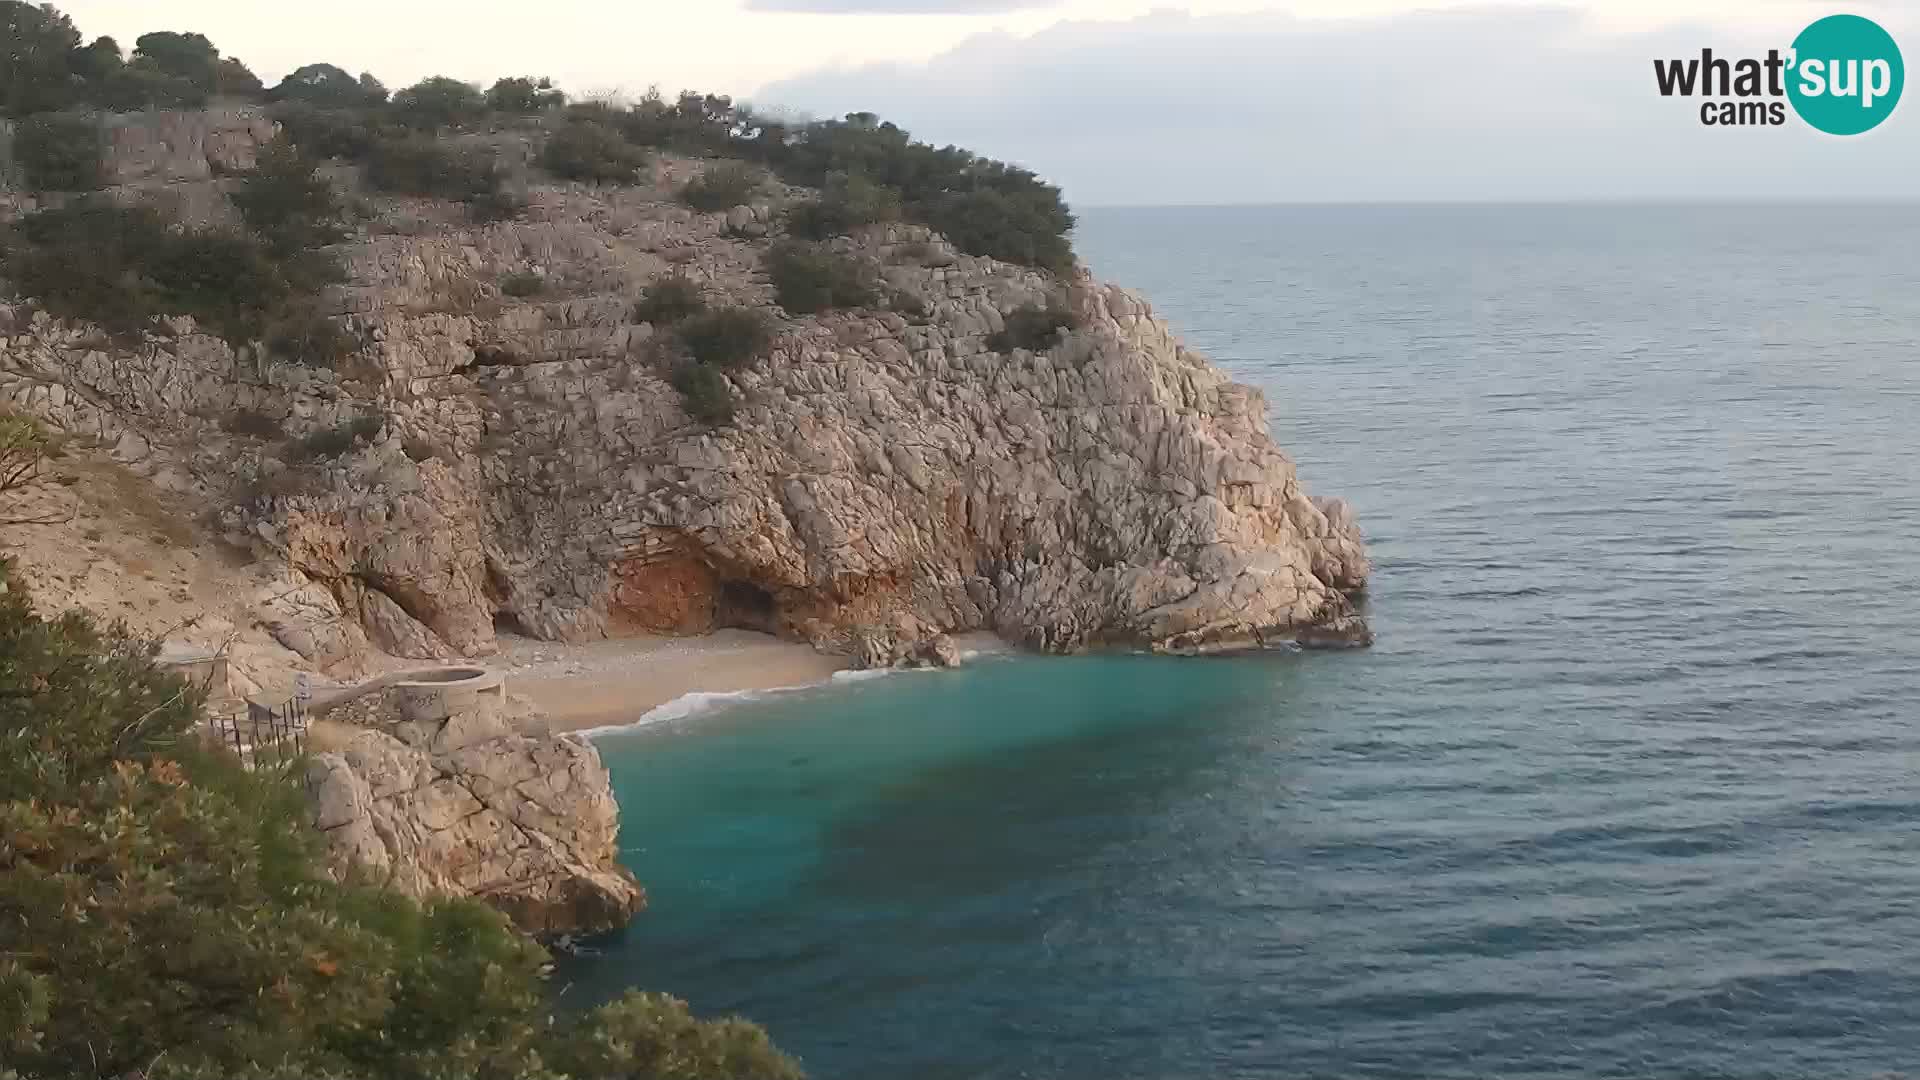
(1650, 201)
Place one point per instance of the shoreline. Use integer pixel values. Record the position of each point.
(615, 683)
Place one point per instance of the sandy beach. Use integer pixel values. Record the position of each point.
(618, 680)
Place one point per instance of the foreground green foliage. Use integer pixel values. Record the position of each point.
(163, 912)
(25, 446)
(653, 1036)
(810, 278)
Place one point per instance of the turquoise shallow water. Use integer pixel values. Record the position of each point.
(1630, 785)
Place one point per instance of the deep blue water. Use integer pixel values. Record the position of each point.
(1630, 785)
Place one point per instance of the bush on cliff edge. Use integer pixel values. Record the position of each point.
(1032, 327)
(163, 912)
(61, 152)
(811, 278)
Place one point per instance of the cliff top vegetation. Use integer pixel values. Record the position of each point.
(870, 168)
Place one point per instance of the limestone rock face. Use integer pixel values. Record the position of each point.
(882, 475)
(169, 146)
(467, 808)
(887, 478)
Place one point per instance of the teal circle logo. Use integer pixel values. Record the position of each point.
(1846, 75)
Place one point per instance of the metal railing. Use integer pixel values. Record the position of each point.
(273, 733)
(256, 733)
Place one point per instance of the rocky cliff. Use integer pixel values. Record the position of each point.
(460, 803)
(887, 479)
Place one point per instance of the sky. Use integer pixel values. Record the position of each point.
(1123, 102)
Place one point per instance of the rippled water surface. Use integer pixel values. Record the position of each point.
(1628, 786)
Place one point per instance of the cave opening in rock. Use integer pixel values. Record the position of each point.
(746, 606)
(505, 622)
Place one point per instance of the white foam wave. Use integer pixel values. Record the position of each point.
(686, 705)
(706, 701)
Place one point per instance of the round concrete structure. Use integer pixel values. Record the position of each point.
(434, 694)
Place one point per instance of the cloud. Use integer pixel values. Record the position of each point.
(899, 7)
(1475, 104)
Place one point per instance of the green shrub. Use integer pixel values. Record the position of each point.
(61, 152)
(589, 151)
(310, 271)
(522, 284)
(521, 96)
(654, 1036)
(123, 267)
(235, 79)
(496, 205)
(727, 337)
(90, 262)
(332, 132)
(1031, 327)
(189, 57)
(423, 167)
(1029, 229)
(304, 336)
(984, 207)
(722, 187)
(38, 72)
(848, 202)
(285, 200)
(330, 86)
(25, 446)
(704, 393)
(227, 281)
(809, 278)
(439, 102)
(669, 299)
(693, 123)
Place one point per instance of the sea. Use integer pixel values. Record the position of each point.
(1628, 787)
